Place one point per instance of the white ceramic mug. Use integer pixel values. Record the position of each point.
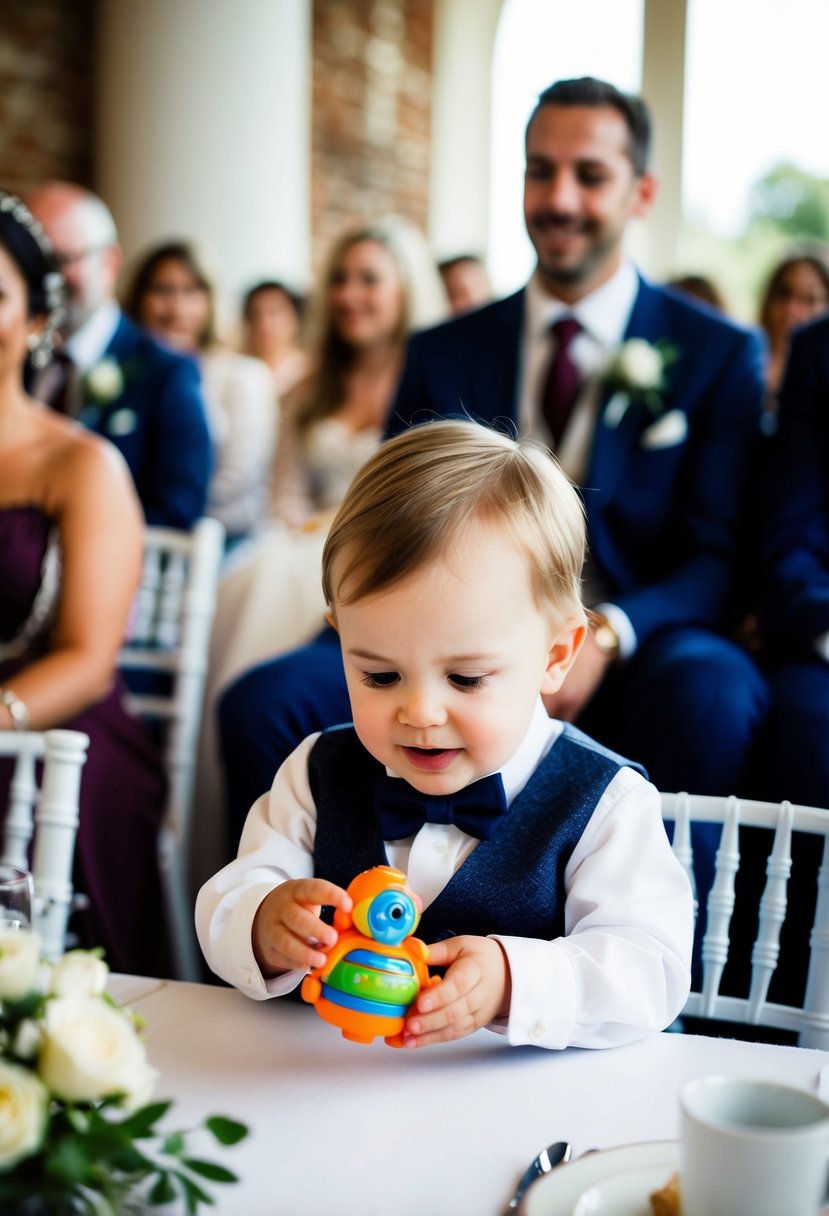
(752, 1148)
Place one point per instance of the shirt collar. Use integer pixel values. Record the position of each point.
(87, 344)
(603, 313)
(541, 734)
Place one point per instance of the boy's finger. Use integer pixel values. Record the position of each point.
(321, 891)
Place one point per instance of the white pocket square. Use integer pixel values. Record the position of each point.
(122, 422)
(667, 431)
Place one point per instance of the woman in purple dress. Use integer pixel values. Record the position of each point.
(70, 557)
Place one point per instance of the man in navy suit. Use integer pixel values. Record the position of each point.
(662, 455)
(122, 383)
(794, 757)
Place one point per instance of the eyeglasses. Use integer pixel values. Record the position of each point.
(69, 259)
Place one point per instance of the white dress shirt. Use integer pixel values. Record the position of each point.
(621, 969)
(86, 346)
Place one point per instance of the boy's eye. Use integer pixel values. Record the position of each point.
(468, 683)
(380, 679)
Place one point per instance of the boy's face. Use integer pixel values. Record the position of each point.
(445, 667)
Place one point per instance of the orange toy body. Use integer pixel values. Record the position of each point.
(376, 968)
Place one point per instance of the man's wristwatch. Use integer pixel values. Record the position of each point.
(605, 636)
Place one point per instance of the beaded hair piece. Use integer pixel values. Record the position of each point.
(53, 284)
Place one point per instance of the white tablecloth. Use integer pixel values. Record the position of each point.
(340, 1129)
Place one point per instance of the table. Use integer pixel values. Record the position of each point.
(340, 1129)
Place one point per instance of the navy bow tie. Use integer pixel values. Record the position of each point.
(402, 810)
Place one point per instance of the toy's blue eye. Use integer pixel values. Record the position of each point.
(391, 917)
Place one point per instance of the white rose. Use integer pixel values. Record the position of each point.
(90, 1050)
(79, 973)
(105, 381)
(23, 1105)
(27, 1040)
(639, 364)
(19, 959)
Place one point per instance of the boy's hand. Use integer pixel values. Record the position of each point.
(475, 989)
(287, 930)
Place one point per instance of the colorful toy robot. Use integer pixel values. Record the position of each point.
(376, 969)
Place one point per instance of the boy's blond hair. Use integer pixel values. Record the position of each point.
(419, 491)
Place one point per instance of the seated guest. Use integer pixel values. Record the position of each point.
(652, 405)
(171, 294)
(699, 287)
(378, 282)
(466, 282)
(70, 557)
(550, 892)
(794, 756)
(115, 379)
(273, 316)
(797, 292)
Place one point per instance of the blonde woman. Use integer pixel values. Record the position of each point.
(379, 282)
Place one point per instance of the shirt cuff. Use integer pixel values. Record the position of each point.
(246, 974)
(621, 626)
(543, 1005)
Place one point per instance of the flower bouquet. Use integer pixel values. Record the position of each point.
(78, 1134)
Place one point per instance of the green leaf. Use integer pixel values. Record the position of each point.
(226, 1131)
(209, 1169)
(163, 1191)
(173, 1145)
(193, 1194)
(141, 1123)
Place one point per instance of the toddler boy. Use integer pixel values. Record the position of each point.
(550, 892)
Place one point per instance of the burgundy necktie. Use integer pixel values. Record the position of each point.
(561, 388)
(57, 384)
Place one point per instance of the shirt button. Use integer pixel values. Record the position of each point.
(440, 846)
(538, 1030)
(247, 978)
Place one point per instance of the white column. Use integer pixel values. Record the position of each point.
(461, 131)
(663, 87)
(204, 132)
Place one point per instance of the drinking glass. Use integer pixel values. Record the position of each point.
(16, 898)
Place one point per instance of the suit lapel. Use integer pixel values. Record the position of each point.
(495, 377)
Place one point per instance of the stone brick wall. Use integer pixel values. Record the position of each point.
(372, 75)
(371, 90)
(46, 91)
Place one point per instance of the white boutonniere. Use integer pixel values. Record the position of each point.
(104, 382)
(637, 373)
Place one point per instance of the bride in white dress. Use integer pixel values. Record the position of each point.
(379, 283)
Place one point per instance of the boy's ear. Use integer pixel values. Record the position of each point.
(331, 619)
(562, 654)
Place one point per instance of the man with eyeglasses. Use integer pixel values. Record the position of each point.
(115, 378)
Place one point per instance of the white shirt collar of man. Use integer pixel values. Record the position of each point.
(87, 345)
(603, 314)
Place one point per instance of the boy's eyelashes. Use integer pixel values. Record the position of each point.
(386, 679)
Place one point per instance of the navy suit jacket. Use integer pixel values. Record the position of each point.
(663, 519)
(159, 425)
(796, 527)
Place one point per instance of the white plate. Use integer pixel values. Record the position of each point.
(625, 1194)
(559, 1191)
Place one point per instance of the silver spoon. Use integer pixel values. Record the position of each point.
(542, 1163)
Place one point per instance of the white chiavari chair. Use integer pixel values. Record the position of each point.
(42, 821)
(168, 642)
(811, 1021)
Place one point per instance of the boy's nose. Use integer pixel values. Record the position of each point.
(419, 709)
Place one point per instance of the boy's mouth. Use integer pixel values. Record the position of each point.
(431, 759)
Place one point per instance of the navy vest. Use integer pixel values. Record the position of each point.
(512, 884)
